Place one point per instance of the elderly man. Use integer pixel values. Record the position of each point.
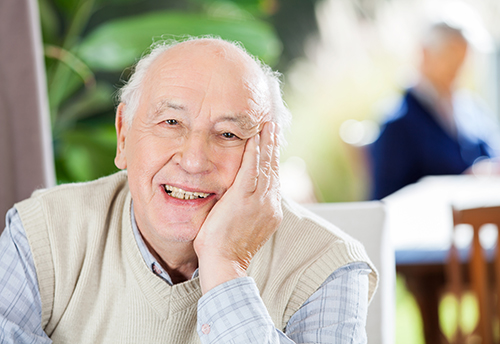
(193, 242)
(435, 130)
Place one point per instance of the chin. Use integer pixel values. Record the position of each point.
(180, 232)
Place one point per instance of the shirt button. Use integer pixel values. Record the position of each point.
(205, 328)
(156, 269)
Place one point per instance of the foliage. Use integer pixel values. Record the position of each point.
(117, 44)
(89, 42)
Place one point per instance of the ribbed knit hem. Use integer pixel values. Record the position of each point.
(32, 216)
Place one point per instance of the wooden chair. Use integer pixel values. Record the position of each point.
(485, 287)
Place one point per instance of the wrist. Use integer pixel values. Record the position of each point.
(215, 272)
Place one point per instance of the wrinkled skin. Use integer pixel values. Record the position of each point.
(203, 125)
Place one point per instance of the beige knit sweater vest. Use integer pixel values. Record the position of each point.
(96, 288)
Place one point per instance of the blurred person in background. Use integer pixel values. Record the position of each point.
(435, 130)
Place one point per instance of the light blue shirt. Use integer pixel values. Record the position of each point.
(335, 313)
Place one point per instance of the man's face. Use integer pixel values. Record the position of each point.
(445, 63)
(199, 105)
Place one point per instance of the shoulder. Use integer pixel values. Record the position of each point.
(305, 250)
(67, 225)
(108, 184)
(93, 195)
(307, 241)
(474, 120)
(400, 123)
(302, 223)
(396, 109)
(76, 207)
(307, 235)
(400, 118)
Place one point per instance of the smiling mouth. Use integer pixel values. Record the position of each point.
(181, 194)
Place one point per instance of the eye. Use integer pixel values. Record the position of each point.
(229, 136)
(171, 122)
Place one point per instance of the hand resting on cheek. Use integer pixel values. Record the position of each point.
(245, 217)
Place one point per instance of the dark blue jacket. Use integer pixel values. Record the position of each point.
(412, 145)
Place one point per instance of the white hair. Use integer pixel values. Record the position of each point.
(130, 93)
(438, 34)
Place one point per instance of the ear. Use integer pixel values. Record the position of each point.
(121, 134)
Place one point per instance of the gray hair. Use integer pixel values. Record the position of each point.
(440, 33)
(130, 93)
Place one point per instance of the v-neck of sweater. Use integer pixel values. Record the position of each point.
(164, 298)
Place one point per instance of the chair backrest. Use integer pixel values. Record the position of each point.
(478, 270)
(365, 222)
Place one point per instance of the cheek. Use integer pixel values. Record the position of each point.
(228, 163)
(149, 153)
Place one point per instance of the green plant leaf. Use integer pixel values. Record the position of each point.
(86, 153)
(91, 102)
(252, 6)
(67, 7)
(117, 44)
(61, 85)
(48, 21)
(116, 2)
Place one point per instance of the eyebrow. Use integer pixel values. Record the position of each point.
(242, 120)
(167, 103)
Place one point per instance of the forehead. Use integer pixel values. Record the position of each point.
(213, 75)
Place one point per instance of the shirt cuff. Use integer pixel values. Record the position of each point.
(233, 311)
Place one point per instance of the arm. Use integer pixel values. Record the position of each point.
(336, 313)
(20, 303)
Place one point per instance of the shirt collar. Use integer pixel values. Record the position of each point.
(149, 259)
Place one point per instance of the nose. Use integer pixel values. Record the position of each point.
(194, 156)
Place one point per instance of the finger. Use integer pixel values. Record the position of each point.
(267, 144)
(275, 161)
(247, 175)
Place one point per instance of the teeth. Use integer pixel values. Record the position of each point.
(181, 194)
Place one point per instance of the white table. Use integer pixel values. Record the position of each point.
(419, 215)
